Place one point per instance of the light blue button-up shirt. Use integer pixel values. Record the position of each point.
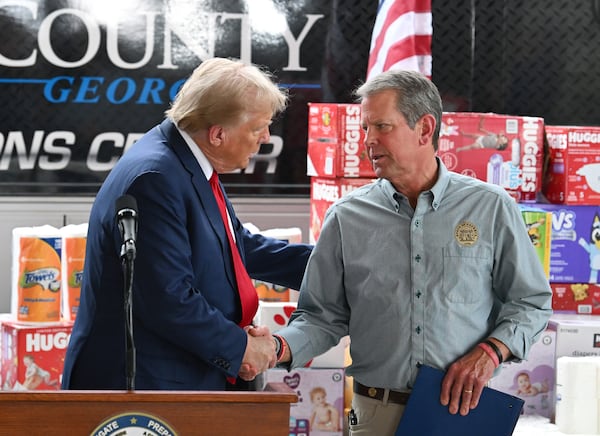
(419, 286)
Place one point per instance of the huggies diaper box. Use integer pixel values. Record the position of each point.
(336, 141)
(33, 355)
(575, 243)
(505, 150)
(573, 173)
(323, 193)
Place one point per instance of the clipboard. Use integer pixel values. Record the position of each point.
(496, 414)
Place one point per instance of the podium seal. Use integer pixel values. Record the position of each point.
(133, 424)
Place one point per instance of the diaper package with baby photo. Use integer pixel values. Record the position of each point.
(32, 356)
(320, 406)
(505, 150)
(532, 380)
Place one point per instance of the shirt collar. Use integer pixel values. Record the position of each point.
(207, 168)
(437, 190)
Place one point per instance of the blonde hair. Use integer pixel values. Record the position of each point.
(317, 390)
(222, 91)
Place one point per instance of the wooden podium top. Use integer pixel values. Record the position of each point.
(162, 412)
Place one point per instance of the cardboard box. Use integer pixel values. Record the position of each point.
(505, 150)
(575, 243)
(532, 380)
(307, 383)
(573, 173)
(582, 298)
(336, 141)
(576, 335)
(539, 228)
(323, 193)
(33, 355)
(277, 315)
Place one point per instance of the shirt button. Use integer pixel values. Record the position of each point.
(419, 293)
(418, 258)
(418, 330)
(417, 223)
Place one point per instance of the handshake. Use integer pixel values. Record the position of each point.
(260, 352)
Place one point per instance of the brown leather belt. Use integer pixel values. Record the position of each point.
(377, 393)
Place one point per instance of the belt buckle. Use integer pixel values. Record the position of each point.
(372, 392)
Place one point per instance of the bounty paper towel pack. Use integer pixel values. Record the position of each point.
(36, 274)
(74, 238)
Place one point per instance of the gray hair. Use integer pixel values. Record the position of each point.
(222, 91)
(416, 96)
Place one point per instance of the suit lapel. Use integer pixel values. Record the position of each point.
(202, 188)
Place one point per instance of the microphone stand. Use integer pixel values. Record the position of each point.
(127, 257)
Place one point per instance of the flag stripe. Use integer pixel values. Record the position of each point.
(403, 29)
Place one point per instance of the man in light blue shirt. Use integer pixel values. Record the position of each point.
(422, 266)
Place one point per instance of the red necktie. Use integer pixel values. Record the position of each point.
(248, 295)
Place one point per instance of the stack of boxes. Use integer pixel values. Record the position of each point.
(337, 158)
(338, 163)
(46, 279)
(323, 377)
(571, 195)
(558, 191)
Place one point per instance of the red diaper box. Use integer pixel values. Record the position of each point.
(275, 315)
(533, 379)
(33, 355)
(323, 193)
(336, 141)
(573, 172)
(320, 407)
(582, 298)
(505, 150)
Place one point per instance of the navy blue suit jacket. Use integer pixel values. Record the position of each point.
(185, 303)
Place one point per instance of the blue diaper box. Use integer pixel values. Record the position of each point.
(575, 243)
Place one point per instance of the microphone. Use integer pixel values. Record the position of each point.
(126, 211)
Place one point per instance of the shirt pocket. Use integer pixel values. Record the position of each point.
(467, 273)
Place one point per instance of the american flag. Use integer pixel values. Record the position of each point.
(401, 37)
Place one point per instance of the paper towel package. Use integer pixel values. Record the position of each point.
(74, 238)
(36, 274)
(269, 291)
(276, 316)
(578, 394)
(532, 380)
(319, 410)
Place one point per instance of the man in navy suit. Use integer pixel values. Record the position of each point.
(185, 301)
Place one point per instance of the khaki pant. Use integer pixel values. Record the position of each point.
(375, 417)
